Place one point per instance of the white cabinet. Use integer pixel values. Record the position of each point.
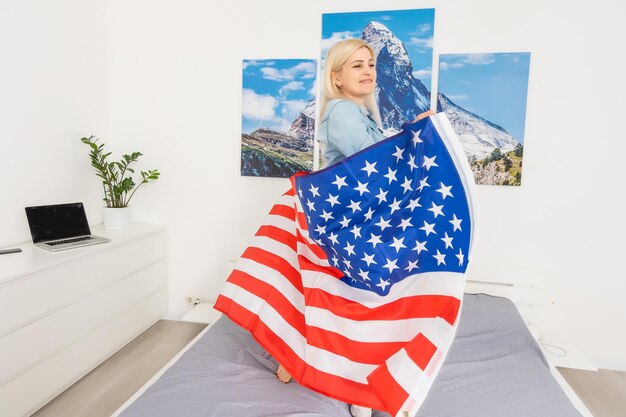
(63, 313)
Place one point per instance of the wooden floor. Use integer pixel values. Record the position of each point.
(107, 387)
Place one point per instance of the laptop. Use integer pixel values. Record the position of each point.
(61, 226)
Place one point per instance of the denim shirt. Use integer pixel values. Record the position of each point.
(345, 129)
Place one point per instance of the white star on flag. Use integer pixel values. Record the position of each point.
(445, 191)
(447, 240)
(326, 216)
(436, 209)
(345, 222)
(397, 244)
(412, 266)
(361, 188)
(382, 196)
(369, 259)
(398, 154)
(404, 223)
(374, 239)
(332, 199)
(406, 184)
(416, 137)
(440, 257)
(383, 224)
(369, 168)
(460, 256)
(313, 191)
(391, 175)
(391, 265)
(429, 162)
(456, 223)
(420, 246)
(355, 205)
(340, 182)
(428, 228)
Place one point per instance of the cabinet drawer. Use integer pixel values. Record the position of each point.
(33, 296)
(31, 344)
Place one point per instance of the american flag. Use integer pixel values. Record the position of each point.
(354, 283)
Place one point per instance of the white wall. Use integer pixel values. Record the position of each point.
(174, 80)
(53, 91)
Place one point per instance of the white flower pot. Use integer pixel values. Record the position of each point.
(116, 218)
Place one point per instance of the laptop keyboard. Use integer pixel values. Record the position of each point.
(77, 239)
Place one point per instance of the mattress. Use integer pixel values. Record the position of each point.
(494, 369)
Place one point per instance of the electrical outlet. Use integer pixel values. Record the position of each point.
(194, 301)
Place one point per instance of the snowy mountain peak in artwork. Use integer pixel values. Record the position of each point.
(303, 126)
(400, 95)
(478, 136)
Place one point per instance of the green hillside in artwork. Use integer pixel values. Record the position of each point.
(268, 153)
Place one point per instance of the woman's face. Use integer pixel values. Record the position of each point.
(357, 78)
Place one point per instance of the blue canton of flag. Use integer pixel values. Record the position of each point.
(394, 210)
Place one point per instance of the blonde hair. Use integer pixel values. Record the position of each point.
(336, 58)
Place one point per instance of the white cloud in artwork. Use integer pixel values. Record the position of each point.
(290, 86)
(282, 125)
(422, 73)
(458, 97)
(291, 108)
(337, 37)
(257, 106)
(255, 63)
(303, 69)
(479, 59)
(421, 42)
(421, 29)
(459, 61)
(449, 65)
(313, 90)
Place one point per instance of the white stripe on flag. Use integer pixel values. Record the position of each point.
(435, 283)
(320, 359)
(371, 331)
(273, 278)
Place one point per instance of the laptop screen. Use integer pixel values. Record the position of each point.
(59, 221)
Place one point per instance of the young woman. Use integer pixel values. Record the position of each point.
(350, 119)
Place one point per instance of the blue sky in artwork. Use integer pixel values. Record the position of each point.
(275, 91)
(415, 28)
(493, 86)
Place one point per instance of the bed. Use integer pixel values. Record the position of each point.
(493, 369)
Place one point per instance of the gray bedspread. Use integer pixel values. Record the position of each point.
(493, 369)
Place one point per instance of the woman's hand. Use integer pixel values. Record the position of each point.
(423, 115)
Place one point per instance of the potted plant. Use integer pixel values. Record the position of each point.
(117, 182)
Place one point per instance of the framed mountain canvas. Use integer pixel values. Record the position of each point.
(484, 97)
(403, 42)
(278, 117)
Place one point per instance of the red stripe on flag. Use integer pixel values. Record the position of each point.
(389, 391)
(284, 211)
(363, 352)
(276, 263)
(307, 265)
(420, 350)
(417, 306)
(278, 235)
(301, 217)
(333, 386)
(274, 298)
